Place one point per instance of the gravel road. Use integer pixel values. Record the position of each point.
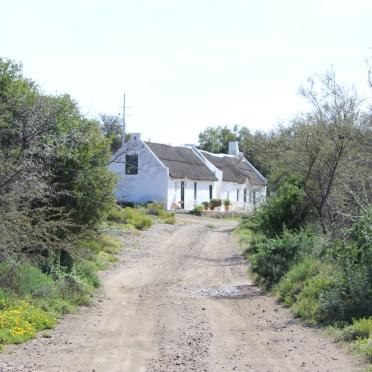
(180, 300)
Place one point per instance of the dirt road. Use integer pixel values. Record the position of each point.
(181, 300)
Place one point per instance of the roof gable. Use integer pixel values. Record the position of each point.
(182, 162)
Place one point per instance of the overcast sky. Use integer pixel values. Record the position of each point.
(185, 65)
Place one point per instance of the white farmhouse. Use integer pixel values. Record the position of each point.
(184, 176)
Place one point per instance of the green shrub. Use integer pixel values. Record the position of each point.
(169, 219)
(308, 300)
(26, 279)
(350, 297)
(140, 222)
(154, 209)
(361, 328)
(295, 280)
(117, 215)
(272, 258)
(87, 271)
(364, 347)
(285, 210)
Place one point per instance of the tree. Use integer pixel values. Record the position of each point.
(216, 140)
(111, 127)
(53, 180)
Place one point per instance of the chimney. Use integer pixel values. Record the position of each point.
(135, 136)
(234, 148)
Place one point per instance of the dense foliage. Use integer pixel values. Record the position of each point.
(311, 242)
(55, 192)
(54, 184)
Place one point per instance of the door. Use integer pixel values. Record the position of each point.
(182, 194)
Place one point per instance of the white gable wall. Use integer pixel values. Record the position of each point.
(151, 182)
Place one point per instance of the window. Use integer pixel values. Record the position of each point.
(131, 164)
(210, 192)
(237, 195)
(250, 196)
(195, 190)
(245, 195)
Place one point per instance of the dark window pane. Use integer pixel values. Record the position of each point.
(131, 164)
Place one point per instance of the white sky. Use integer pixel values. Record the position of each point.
(185, 65)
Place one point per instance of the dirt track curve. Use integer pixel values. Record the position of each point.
(180, 300)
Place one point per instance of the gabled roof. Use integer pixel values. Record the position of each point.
(182, 162)
(235, 168)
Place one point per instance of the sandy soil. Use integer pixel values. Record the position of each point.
(180, 300)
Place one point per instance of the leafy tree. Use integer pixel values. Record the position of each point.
(216, 140)
(111, 127)
(53, 179)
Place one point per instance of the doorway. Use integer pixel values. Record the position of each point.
(183, 194)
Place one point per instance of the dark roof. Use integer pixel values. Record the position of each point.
(236, 169)
(182, 162)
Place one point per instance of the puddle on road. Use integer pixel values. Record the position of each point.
(229, 292)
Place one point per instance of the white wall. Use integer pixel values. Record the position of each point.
(229, 191)
(202, 192)
(151, 182)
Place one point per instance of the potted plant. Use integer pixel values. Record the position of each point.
(205, 205)
(215, 203)
(226, 203)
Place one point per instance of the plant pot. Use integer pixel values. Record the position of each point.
(227, 207)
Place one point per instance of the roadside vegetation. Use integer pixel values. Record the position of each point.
(59, 223)
(310, 244)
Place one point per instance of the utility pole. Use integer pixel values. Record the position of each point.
(124, 128)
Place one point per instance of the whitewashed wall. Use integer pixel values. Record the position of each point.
(151, 182)
(202, 192)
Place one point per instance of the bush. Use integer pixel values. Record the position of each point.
(272, 258)
(155, 209)
(364, 347)
(169, 219)
(350, 297)
(26, 279)
(87, 271)
(117, 215)
(296, 279)
(361, 328)
(308, 301)
(283, 211)
(131, 216)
